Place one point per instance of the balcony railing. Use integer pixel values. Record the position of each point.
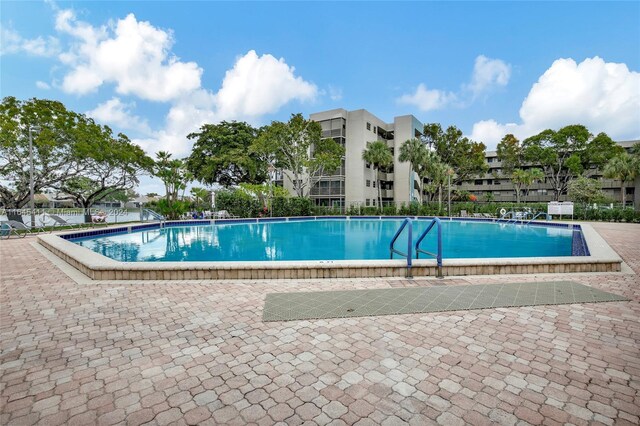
(327, 191)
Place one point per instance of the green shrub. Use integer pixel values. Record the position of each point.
(389, 210)
(629, 215)
(238, 203)
(173, 210)
(292, 206)
(353, 210)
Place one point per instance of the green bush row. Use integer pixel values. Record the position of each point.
(241, 204)
(608, 215)
(238, 203)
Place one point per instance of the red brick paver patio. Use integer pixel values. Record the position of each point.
(198, 353)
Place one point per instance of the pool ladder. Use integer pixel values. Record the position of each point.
(408, 255)
(546, 217)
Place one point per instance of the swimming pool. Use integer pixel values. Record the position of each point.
(185, 246)
(326, 239)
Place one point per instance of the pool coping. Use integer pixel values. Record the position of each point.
(600, 258)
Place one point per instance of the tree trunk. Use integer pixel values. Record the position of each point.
(440, 198)
(622, 194)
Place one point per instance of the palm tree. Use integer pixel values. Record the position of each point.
(424, 169)
(522, 179)
(413, 151)
(438, 172)
(622, 167)
(378, 155)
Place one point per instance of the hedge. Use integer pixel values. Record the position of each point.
(241, 204)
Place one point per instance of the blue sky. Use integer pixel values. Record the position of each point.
(158, 70)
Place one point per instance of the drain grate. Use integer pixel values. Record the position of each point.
(394, 301)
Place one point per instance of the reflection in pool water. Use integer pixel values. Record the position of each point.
(326, 240)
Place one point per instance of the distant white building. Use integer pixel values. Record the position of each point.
(354, 183)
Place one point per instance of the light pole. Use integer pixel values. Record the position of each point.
(449, 173)
(32, 206)
(272, 177)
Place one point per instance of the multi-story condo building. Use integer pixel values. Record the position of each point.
(354, 183)
(500, 188)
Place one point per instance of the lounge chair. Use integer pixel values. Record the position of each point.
(16, 228)
(6, 230)
(99, 218)
(223, 214)
(58, 221)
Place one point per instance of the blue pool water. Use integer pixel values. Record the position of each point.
(326, 240)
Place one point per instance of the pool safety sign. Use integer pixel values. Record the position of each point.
(564, 208)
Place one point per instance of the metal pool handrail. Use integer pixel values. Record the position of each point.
(393, 250)
(537, 216)
(438, 256)
(145, 213)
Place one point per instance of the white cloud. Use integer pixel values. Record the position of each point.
(12, 42)
(487, 74)
(132, 54)
(185, 116)
(257, 85)
(335, 93)
(136, 58)
(491, 132)
(604, 96)
(428, 99)
(42, 85)
(117, 113)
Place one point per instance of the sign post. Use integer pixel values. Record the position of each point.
(560, 208)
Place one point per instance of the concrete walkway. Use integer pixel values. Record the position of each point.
(199, 353)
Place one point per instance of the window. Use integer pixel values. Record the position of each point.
(374, 202)
(368, 165)
(478, 182)
(368, 183)
(374, 183)
(374, 129)
(368, 202)
(368, 126)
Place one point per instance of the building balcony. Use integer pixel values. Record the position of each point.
(385, 176)
(327, 191)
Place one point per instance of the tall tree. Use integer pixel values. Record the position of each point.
(465, 156)
(175, 176)
(111, 165)
(567, 153)
(56, 153)
(523, 179)
(379, 156)
(425, 170)
(623, 167)
(221, 154)
(510, 154)
(585, 190)
(298, 149)
(413, 151)
(438, 173)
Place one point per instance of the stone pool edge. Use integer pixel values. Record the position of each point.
(601, 258)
